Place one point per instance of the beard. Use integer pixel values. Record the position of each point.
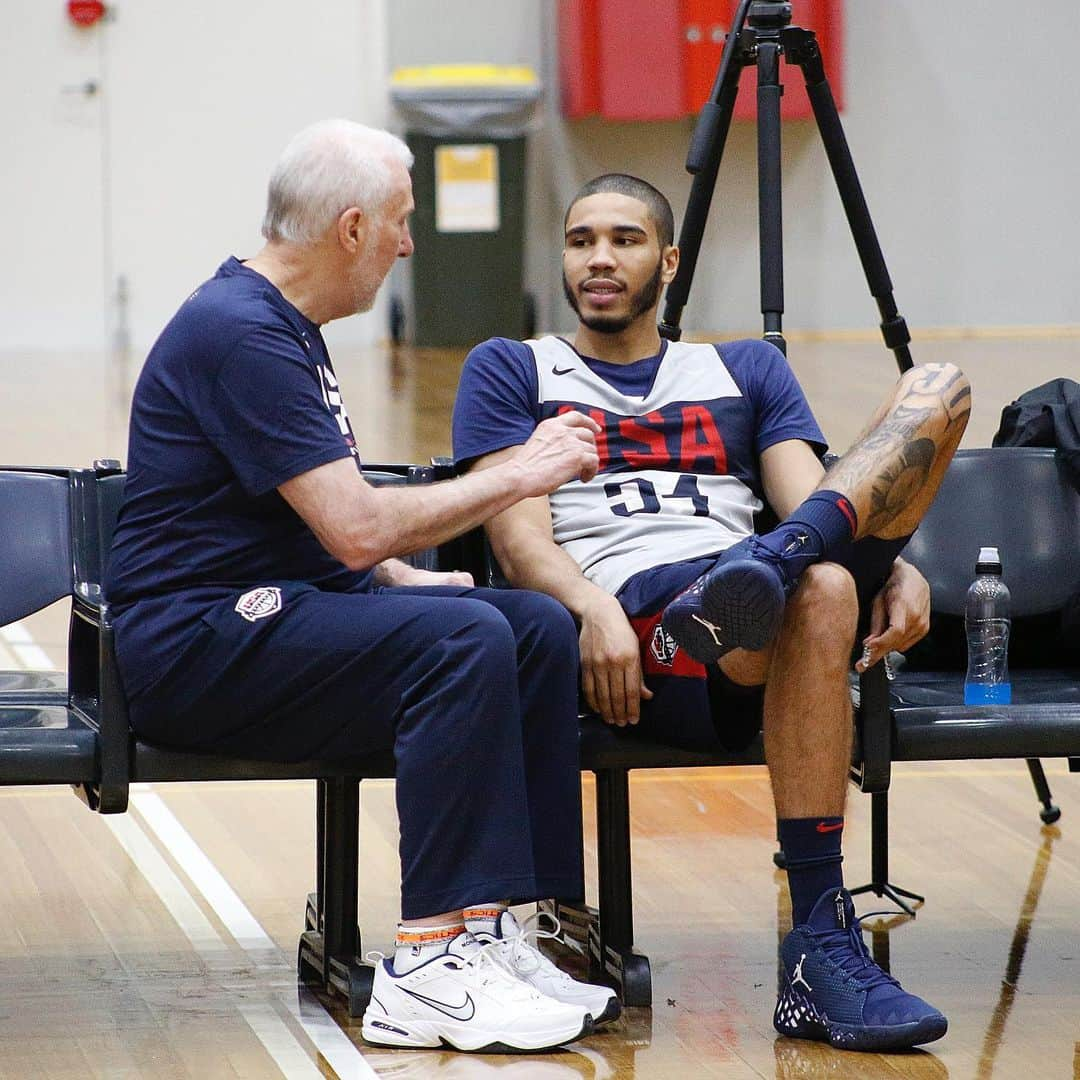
(643, 300)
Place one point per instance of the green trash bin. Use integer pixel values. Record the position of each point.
(466, 126)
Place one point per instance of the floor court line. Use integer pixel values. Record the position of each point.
(28, 652)
(279, 1042)
(205, 876)
(335, 1048)
(340, 1052)
(8, 659)
(170, 889)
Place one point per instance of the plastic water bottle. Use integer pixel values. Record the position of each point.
(986, 620)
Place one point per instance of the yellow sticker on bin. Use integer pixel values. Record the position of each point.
(467, 188)
(465, 75)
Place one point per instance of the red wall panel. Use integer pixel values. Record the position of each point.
(705, 25)
(579, 69)
(641, 59)
(657, 59)
(706, 21)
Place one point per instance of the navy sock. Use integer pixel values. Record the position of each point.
(812, 854)
(822, 527)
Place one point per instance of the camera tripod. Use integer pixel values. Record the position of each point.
(760, 35)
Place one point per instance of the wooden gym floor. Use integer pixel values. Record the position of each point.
(162, 943)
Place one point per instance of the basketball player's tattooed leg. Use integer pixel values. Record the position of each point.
(893, 470)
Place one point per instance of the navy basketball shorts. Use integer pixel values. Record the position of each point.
(698, 708)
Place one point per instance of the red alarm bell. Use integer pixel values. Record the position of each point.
(85, 12)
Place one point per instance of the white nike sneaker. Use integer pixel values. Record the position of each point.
(468, 1000)
(514, 948)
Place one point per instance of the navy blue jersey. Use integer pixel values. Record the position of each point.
(237, 396)
(680, 441)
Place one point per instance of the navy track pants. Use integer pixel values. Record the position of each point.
(475, 690)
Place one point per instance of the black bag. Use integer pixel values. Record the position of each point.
(1049, 415)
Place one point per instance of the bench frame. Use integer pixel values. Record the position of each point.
(99, 755)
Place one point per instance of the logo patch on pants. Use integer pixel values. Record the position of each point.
(659, 653)
(663, 647)
(259, 603)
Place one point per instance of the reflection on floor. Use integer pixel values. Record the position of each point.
(125, 953)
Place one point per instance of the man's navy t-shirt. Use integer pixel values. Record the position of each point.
(237, 396)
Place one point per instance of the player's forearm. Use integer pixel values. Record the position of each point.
(531, 560)
(409, 519)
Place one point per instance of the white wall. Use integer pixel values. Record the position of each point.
(963, 123)
(962, 118)
(51, 284)
(162, 173)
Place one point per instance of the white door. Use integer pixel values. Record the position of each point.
(52, 284)
(136, 151)
(204, 95)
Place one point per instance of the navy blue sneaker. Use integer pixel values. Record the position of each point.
(833, 991)
(738, 604)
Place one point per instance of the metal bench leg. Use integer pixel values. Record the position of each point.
(613, 947)
(310, 967)
(1049, 812)
(577, 921)
(879, 858)
(778, 858)
(332, 948)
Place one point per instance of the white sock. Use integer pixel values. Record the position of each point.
(415, 945)
(484, 918)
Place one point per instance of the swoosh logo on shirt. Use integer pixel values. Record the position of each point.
(556, 370)
(465, 1011)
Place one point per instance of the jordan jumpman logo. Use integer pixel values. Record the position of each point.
(797, 975)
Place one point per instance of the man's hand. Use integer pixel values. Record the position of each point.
(560, 449)
(396, 572)
(611, 663)
(900, 615)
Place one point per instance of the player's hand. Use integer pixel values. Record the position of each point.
(611, 663)
(396, 572)
(900, 615)
(561, 448)
(442, 577)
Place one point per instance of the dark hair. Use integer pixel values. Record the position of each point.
(624, 184)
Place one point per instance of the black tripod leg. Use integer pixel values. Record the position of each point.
(802, 48)
(697, 208)
(879, 858)
(770, 213)
(1049, 812)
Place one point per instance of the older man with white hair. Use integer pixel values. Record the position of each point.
(260, 610)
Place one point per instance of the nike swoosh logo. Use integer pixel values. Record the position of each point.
(465, 1011)
(556, 370)
(823, 828)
